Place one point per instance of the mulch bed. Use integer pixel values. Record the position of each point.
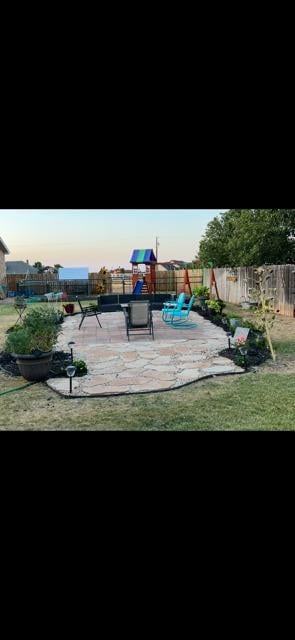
(60, 360)
(254, 357)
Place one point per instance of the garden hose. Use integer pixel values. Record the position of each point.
(29, 384)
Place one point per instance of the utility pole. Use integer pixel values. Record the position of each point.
(157, 245)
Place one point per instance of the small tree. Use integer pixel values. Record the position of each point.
(265, 301)
(38, 265)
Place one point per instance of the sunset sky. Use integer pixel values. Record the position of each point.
(101, 238)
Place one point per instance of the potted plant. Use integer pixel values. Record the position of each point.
(202, 294)
(32, 345)
(69, 308)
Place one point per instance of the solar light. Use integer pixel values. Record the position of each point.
(70, 373)
(243, 353)
(70, 345)
(228, 333)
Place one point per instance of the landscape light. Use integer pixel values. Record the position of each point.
(70, 345)
(70, 373)
(243, 353)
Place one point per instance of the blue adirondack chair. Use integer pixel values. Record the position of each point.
(173, 304)
(168, 306)
(179, 314)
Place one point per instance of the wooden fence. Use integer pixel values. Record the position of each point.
(172, 281)
(234, 284)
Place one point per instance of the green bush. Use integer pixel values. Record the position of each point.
(201, 292)
(43, 317)
(39, 332)
(81, 367)
(16, 327)
(215, 305)
(253, 326)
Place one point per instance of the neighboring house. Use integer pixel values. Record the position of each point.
(4, 251)
(19, 268)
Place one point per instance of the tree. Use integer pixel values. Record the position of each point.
(266, 309)
(249, 237)
(38, 265)
(42, 268)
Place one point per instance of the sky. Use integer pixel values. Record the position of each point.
(96, 238)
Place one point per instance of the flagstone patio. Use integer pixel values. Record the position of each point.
(116, 366)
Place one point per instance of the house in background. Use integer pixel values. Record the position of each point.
(4, 251)
(19, 268)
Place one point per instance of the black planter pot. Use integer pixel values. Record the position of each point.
(34, 368)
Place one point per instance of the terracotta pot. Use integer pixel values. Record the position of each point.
(34, 368)
(69, 308)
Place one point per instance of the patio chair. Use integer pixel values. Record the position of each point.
(171, 305)
(178, 314)
(139, 318)
(179, 304)
(87, 312)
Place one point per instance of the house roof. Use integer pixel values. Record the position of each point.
(143, 256)
(3, 247)
(19, 267)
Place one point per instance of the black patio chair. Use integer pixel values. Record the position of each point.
(139, 318)
(87, 312)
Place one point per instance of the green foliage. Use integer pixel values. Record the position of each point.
(81, 367)
(249, 237)
(44, 316)
(265, 297)
(14, 328)
(201, 292)
(253, 326)
(239, 360)
(215, 305)
(17, 342)
(39, 332)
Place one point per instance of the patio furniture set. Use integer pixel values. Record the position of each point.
(138, 314)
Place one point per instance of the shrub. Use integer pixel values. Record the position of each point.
(215, 305)
(43, 317)
(253, 326)
(81, 367)
(16, 327)
(39, 332)
(201, 292)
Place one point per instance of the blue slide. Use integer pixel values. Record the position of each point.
(138, 287)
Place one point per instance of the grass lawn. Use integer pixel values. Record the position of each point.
(228, 403)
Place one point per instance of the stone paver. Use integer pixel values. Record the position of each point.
(115, 366)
